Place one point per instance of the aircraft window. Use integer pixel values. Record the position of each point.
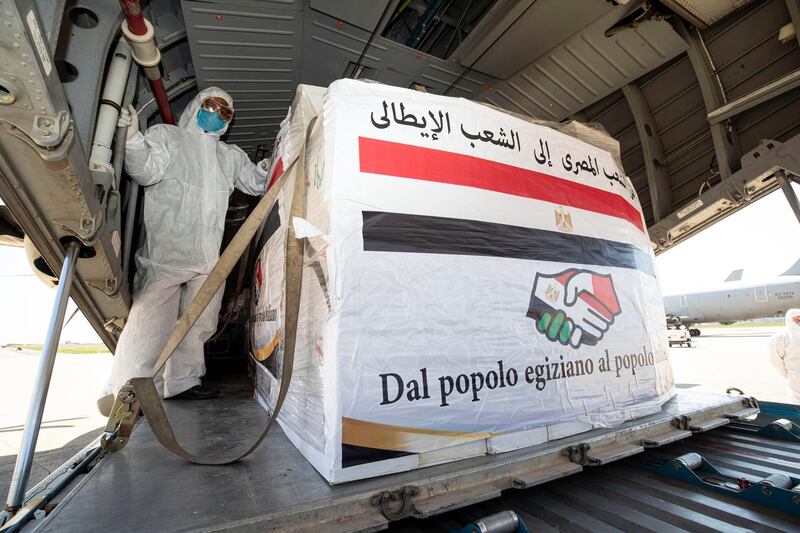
(435, 28)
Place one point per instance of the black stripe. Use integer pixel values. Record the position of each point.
(111, 103)
(269, 227)
(396, 232)
(358, 455)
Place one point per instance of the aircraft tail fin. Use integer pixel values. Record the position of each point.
(794, 270)
(735, 275)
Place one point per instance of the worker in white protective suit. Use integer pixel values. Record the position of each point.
(785, 352)
(188, 175)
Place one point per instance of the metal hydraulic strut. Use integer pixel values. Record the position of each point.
(33, 422)
(786, 185)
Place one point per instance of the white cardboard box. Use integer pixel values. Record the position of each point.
(474, 283)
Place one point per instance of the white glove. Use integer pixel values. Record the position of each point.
(585, 317)
(129, 118)
(262, 167)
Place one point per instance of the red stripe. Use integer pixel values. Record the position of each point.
(407, 161)
(275, 173)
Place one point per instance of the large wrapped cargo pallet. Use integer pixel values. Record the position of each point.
(473, 283)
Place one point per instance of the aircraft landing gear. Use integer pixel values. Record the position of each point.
(694, 332)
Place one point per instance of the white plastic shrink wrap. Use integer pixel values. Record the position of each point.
(474, 283)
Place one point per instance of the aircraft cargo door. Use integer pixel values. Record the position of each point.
(761, 294)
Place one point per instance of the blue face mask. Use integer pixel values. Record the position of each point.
(210, 122)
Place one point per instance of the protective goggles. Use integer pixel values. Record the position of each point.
(215, 104)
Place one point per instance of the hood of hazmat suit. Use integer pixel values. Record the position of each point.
(187, 175)
(785, 352)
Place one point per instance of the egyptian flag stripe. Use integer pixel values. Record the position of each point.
(415, 162)
(395, 195)
(397, 232)
(269, 228)
(275, 174)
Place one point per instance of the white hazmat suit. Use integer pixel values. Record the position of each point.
(785, 352)
(188, 176)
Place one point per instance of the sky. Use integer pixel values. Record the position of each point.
(25, 304)
(763, 238)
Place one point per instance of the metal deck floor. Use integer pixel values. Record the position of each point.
(145, 488)
(622, 497)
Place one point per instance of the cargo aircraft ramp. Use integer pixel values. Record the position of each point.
(277, 489)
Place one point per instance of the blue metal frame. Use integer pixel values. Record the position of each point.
(777, 431)
(707, 476)
(782, 410)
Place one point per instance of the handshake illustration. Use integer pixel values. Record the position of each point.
(574, 307)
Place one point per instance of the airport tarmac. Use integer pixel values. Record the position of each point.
(70, 419)
(724, 357)
(719, 358)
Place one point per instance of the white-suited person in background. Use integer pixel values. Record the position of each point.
(188, 175)
(785, 352)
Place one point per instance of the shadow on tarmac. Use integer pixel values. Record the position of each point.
(44, 462)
